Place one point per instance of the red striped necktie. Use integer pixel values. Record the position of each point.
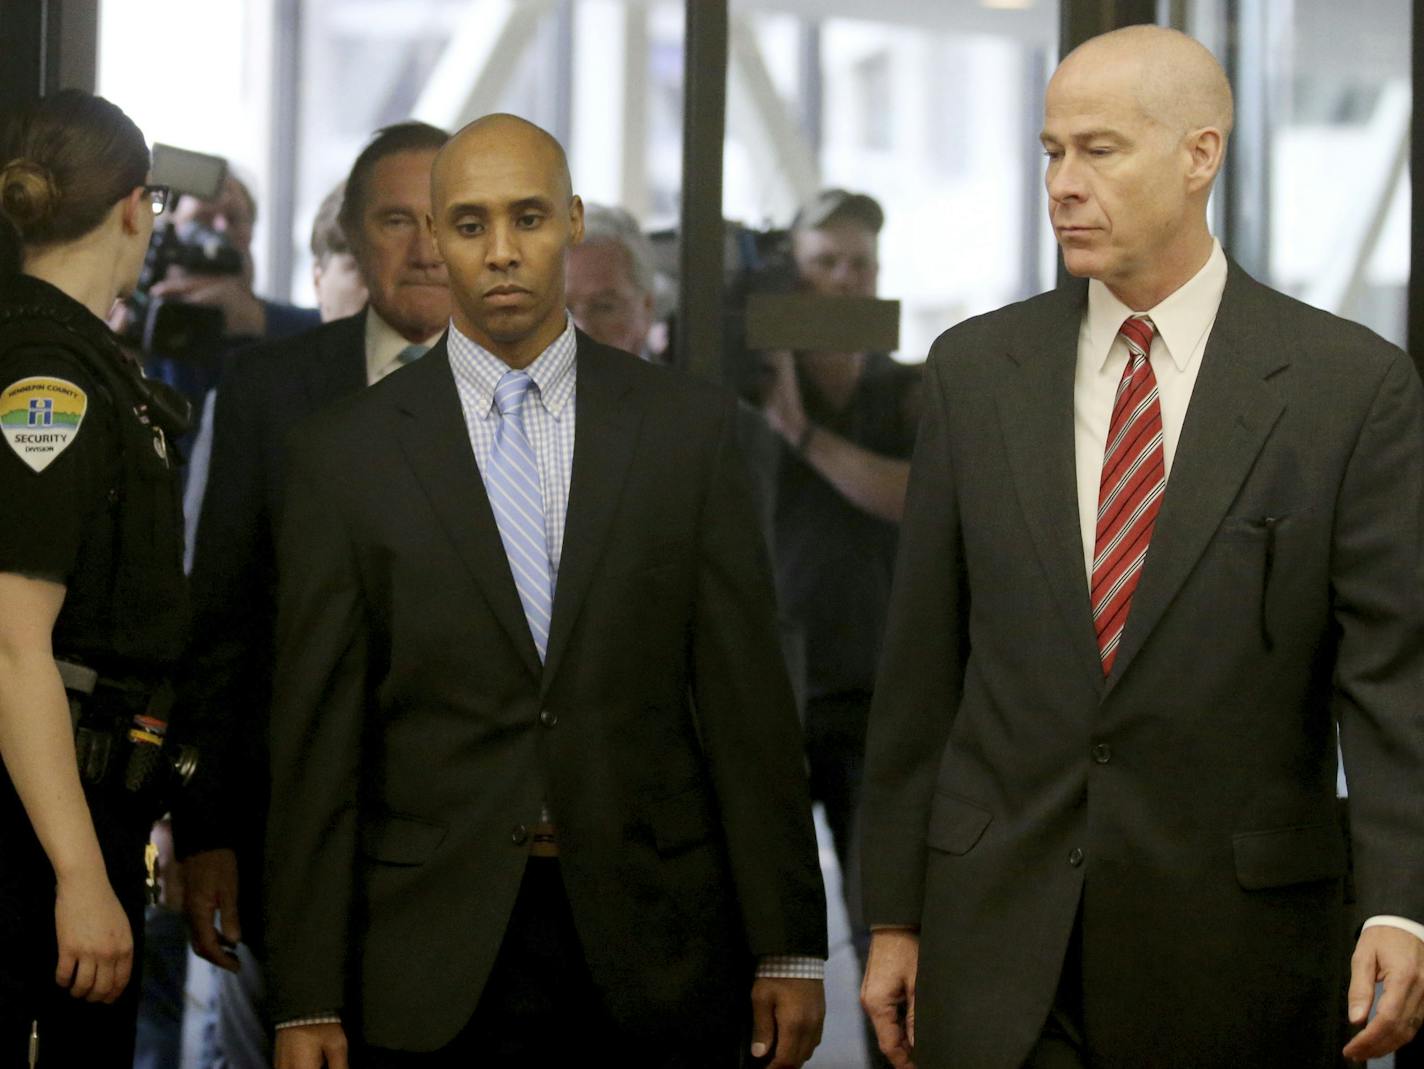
(1130, 493)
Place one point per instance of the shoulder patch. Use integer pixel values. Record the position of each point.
(40, 417)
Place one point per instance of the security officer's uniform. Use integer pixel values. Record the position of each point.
(90, 501)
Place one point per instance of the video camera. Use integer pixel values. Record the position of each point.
(767, 306)
(175, 328)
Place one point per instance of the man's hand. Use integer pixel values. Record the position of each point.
(95, 943)
(784, 410)
(210, 887)
(786, 1020)
(244, 315)
(311, 1046)
(1396, 957)
(887, 994)
(169, 869)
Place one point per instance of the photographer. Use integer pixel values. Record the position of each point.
(848, 421)
(202, 263)
(91, 591)
(232, 214)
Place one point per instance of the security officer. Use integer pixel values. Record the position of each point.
(91, 583)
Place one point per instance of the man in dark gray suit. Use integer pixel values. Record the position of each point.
(538, 795)
(1163, 534)
(268, 390)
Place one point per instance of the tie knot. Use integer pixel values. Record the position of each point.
(1138, 330)
(510, 391)
(412, 353)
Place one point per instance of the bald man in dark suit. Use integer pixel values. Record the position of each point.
(1165, 531)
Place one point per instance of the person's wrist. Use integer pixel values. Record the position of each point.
(79, 869)
(803, 439)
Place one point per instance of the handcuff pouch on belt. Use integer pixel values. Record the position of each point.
(121, 737)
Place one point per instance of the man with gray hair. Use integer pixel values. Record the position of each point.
(218, 822)
(610, 280)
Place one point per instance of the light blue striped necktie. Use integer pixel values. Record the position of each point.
(518, 503)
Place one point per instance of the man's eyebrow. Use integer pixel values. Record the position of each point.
(1103, 133)
(466, 208)
(543, 204)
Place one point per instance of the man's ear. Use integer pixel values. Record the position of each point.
(575, 220)
(1206, 150)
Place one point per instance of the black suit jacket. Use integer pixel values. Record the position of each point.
(265, 392)
(415, 733)
(1187, 803)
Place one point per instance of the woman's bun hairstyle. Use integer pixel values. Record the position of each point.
(28, 194)
(65, 161)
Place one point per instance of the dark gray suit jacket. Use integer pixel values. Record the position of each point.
(1186, 804)
(415, 733)
(265, 392)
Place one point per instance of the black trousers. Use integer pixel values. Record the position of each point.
(1061, 1044)
(540, 1006)
(72, 1032)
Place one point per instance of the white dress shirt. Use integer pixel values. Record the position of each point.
(1183, 321)
(384, 346)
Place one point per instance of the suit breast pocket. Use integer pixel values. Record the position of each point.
(1260, 526)
(1271, 563)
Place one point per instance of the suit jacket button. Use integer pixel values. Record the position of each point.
(1102, 753)
(548, 718)
(520, 835)
(1075, 856)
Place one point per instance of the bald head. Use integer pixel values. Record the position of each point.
(1175, 79)
(507, 137)
(1134, 127)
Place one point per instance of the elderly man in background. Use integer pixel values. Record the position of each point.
(218, 825)
(610, 280)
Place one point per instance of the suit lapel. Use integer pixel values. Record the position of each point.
(338, 366)
(436, 444)
(1231, 413)
(1035, 407)
(608, 412)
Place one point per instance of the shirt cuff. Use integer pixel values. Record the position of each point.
(316, 1018)
(790, 967)
(1412, 927)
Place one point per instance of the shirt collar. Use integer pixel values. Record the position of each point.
(384, 343)
(552, 370)
(1181, 319)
